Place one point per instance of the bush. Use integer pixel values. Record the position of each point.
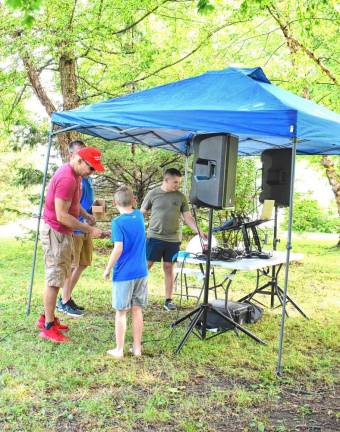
(309, 216)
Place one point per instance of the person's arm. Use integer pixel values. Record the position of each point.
(146, 204)
(115, 254)
(91, 220)
(190, 221)
(65, 218)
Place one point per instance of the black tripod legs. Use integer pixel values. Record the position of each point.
(199, 312)
(290, 300)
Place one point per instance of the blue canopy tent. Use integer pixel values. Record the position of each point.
(233, 100)
(238, 101)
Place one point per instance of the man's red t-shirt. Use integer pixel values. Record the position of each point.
(65, 184)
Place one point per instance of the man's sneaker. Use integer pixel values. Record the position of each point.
(53, 334)
(41, 324)
(69, 310)
(75, 306)
(59, 305)
(169, 306)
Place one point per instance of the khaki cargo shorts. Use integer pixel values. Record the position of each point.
(58, 254)
(83, 249)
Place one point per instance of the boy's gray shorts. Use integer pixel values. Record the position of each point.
(126, 294)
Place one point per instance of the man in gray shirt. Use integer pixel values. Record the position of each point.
(167, 205)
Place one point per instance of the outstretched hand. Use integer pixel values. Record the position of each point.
(96, 232)
(106, 274)
(203, 234)
(91, 220)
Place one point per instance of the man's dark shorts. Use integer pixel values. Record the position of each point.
(156, 250)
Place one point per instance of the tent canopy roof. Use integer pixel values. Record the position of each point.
(233, 100)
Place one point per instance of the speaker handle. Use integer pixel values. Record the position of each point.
(212, 168)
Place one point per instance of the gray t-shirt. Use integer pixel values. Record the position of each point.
(166, 209)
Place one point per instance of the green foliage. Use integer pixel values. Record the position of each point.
(310, 217)
(28, 7)
(137, 166)
(204, 7)
(27, 176)
(138, 44)
(19, 183)
(23, 134)
(246, 193)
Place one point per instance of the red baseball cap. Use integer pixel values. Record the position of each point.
(92, 156)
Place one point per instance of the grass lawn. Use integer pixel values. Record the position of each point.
(224, 384)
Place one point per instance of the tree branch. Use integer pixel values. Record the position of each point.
(293, 44)
(16, 101)
(94, 87)
(38, 89)
(70, 23)
(130, 26)
(182, 58)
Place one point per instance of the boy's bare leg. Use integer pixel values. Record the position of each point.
(169, 276)
(120, 330)
(50, 301)
(137, 329)
(150, 264)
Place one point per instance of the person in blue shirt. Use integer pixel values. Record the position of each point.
(129, 275)
(82, 242)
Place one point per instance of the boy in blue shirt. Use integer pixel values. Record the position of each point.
(129, 276)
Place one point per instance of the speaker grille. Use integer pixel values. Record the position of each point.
(276, 171)
(214, 170)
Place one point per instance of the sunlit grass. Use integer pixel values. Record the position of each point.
(211, 385)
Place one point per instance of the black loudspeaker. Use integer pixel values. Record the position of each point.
(276, 171)
(214, 170)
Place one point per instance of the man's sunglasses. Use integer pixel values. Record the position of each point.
(90, 167)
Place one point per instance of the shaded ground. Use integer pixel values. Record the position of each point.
(291, 409)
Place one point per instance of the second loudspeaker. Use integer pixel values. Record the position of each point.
(276, 171)
(214, 170)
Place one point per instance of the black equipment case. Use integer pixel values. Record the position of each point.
(241, 313)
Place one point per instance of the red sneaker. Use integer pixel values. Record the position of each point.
(53, 334)
(61, 327)
(41, 324)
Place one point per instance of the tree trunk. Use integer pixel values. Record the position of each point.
(334, 181)
(68, 83)
(68, 80)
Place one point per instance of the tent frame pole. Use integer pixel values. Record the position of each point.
(288, 249)
(47, 159)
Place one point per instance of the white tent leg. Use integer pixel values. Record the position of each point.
(28, 305)
(185, 191)
(288, 248)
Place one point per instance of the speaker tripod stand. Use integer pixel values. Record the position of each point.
(200, 314)
(272, 287)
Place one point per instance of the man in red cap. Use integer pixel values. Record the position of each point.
(61, 212)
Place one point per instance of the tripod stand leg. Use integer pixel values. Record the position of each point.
(239, 327)
(256, 291)
(185, 317)
(293, 303)
(279, 296)
(190, 329)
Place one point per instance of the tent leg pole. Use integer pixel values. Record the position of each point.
(186, 169)
(47, 158)
(288, 249)
(185, 190)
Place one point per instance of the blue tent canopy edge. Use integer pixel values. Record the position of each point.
(241, 101)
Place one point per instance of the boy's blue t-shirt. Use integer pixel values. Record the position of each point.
(129, 229)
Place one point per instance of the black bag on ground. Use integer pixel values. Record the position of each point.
(241, 313)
